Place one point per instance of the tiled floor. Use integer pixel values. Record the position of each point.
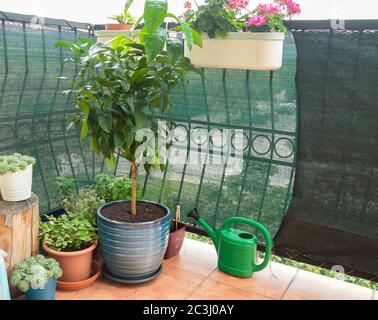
(193, 275)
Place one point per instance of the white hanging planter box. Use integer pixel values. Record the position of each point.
(17, 186)
(240, 50)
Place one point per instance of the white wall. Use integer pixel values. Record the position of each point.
(97, 11)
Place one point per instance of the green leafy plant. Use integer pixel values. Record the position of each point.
(14, 163)
(219, 17)
(68, 232)
(117, 89)
(111, 188)
(65, 187)
(125, 17)
(35, 272)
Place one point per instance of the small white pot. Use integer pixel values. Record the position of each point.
(240, 50)
(17, 186)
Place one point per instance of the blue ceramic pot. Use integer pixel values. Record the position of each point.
(48, 293)
(133, 250)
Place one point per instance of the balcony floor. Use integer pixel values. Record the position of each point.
(193, 275)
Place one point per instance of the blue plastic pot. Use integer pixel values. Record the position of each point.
(133, 250)
(48, 293)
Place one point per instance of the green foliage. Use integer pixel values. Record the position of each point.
(65, 187)
(69, 232)
(34, 273)
(215, 19)
(117, 87)
(125, 17)
(110, 188)
(14, 163)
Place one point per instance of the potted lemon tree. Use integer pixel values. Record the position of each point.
(236, 36)
(119, 91)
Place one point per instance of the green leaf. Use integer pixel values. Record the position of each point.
(155, 12)
(105, 122)
(84, 129)
(119, 139)
(111, 162)
(94, 144)
(62, 43)
(197, 39)
(188, 34)
(174, 49)
(85, 40)
(154, 43)
(104, 147)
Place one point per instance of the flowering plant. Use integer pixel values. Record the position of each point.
(218, 17)
(35, 272)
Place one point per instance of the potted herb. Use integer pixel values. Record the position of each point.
(237, 37)
(71, 240)
(119, 90)
(16, 173)
(125, 20)
(176, 236)
(36, 277)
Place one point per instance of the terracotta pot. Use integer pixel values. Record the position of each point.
(78, 285)
(76, 265)
(117, 26)
(176, 239)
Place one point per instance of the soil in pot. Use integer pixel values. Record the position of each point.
(121, 212)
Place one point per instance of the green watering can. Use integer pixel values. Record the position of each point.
(237, 249)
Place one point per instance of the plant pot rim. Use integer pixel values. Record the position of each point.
(181, 226)
(19, 171)
(279, 36)
(77, 285)
(99, 214)
(71, 253)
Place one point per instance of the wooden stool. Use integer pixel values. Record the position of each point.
(19, 224)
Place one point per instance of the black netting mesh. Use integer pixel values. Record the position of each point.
(333, 216)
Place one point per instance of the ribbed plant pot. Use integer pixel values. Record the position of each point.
(240, 50)
(17, 186)
(133, 251)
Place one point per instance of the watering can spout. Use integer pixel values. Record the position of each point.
(210, 231)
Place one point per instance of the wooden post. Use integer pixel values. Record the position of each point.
(19, 225)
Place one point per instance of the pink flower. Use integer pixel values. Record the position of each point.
(257, 21)
(187, 5)
(238, 4)
(263, 8)
(292, 8)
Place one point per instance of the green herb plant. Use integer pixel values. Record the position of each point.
(35, 272)
(125, 17)
(117, 88)
(68, 232)
(15, 163)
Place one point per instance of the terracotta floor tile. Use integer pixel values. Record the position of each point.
(196, 257)
(271, 282)
(311, 286)
(173, 283)
(82, 294)
(214, 290)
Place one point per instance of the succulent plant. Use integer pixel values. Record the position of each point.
(34, 273)
(14, 163)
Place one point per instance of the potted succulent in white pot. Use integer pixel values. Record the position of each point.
(36, 277)
(16, 174)
(119, 90)
(236, 37)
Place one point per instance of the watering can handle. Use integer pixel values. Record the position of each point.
(262, 229)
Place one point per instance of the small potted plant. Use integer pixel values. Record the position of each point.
(125, 19)
(71, 240)
(118, 106)
(236, 37)
(16, 173)
(36, 277)
(176, 236)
